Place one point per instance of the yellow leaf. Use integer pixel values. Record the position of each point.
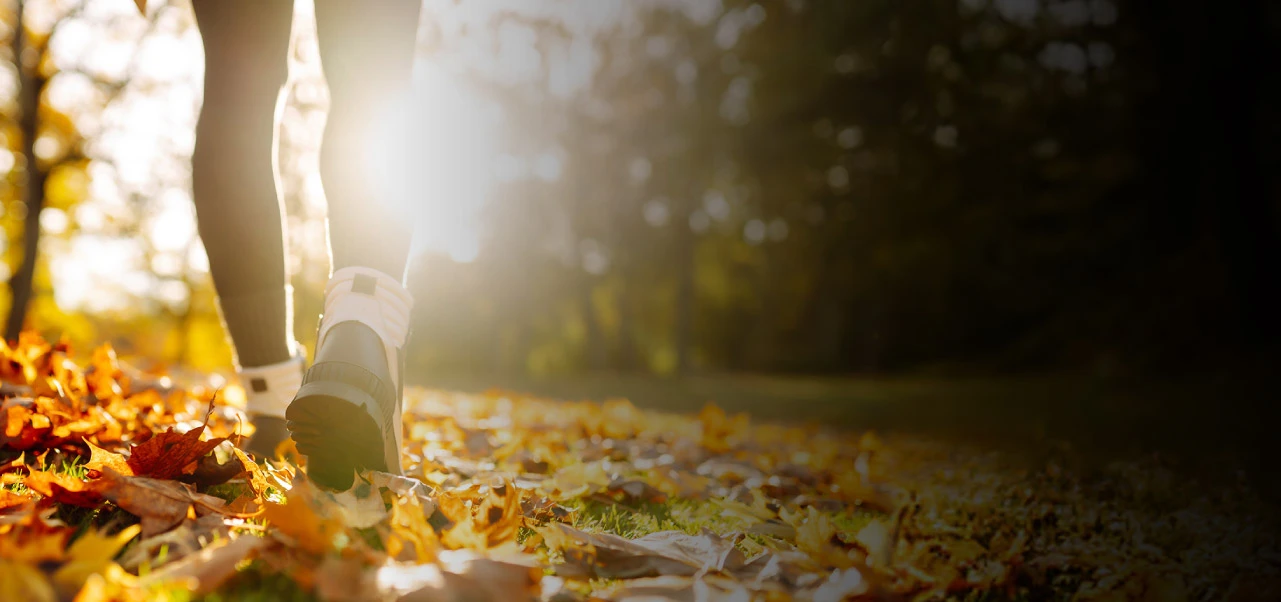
(304, 518)
(99, 458)
(22, 582)
(90, 555)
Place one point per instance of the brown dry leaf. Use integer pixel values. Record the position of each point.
(257, 480)
(360, 507)
(210, 472)
(160, 505)
(816, 535)
(23, 429)
(877, 539)
(722, 432)
(403, 486)
(32, 542)
(577, 480)
(18, 463)
(409, 532)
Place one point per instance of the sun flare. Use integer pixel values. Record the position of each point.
(437, 150)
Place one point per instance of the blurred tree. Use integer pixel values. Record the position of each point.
(27, 55)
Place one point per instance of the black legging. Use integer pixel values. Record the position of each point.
(367, 50)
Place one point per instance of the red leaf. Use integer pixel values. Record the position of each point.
(171, 454)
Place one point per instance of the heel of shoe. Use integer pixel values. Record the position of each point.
(333, 425)
(344, 416)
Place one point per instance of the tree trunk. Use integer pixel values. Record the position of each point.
(30, 83)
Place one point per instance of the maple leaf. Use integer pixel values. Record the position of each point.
(171, 454)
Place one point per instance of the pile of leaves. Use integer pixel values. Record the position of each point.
(119, 485)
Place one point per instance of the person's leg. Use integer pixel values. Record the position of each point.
(367, 53)
(347, 416)
(235, 190)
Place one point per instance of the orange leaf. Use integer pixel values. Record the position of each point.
(306, 517)
(9, 499)
(63, 489)
(100, 458)
(34, 542)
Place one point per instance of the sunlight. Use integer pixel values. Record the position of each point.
(448, 173)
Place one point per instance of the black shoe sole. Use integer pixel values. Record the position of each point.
(334, 426)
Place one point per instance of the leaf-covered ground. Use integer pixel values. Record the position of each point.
(119, 485)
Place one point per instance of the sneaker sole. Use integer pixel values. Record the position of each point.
(334, 426)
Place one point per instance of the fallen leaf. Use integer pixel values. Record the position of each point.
(176, 544)
(678, 588)
(100, 458)
(461, 576)
(205, 570)
(160, 505)
(91, 553)
(20, 581)
(171, 454)
(306, 517)
(842, 585)
(609, 556)
(64, 489)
